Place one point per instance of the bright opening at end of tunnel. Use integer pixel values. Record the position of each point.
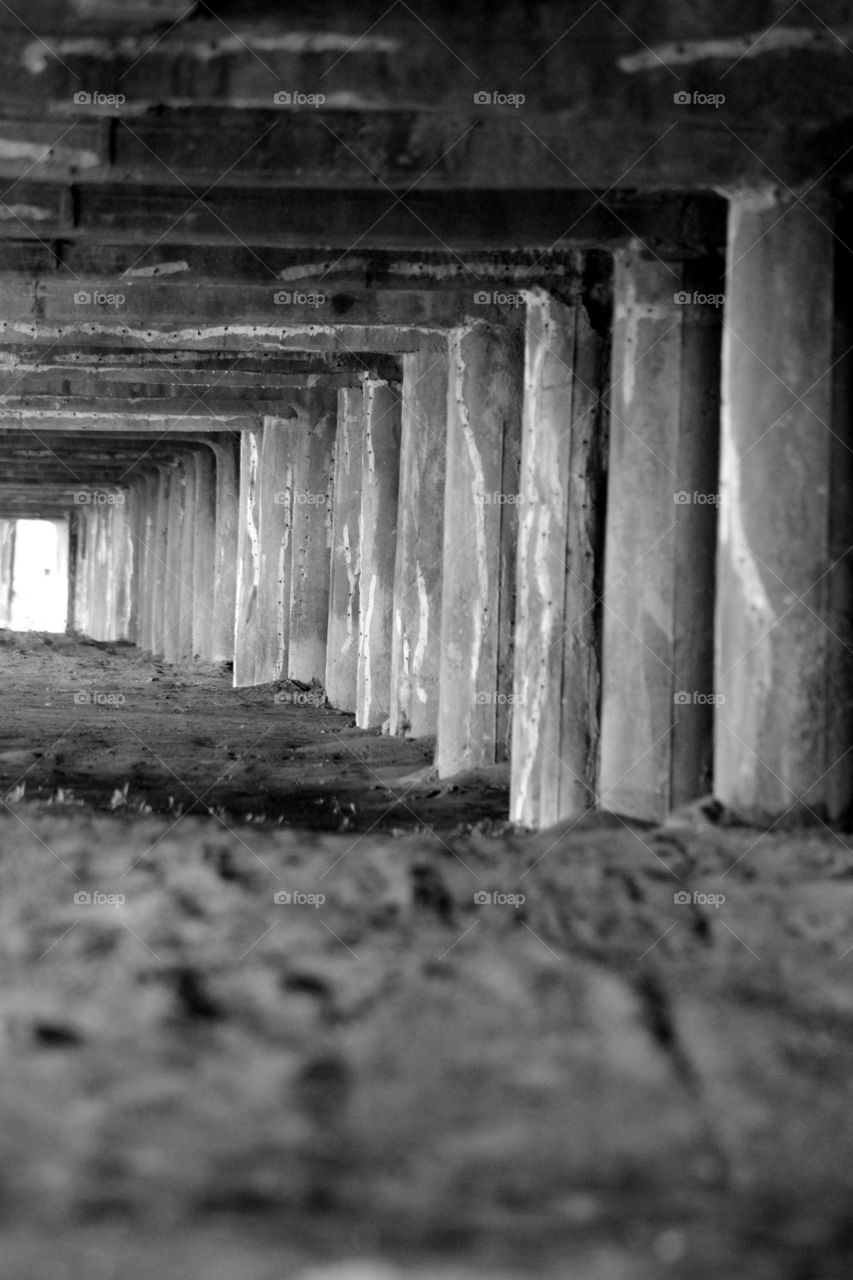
(39, 579)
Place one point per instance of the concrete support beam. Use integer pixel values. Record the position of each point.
(656, 715)
(227, 538)
(314, 440)
(186, 583)
(561, 519)
(416, 642)
(783, 724)
(204, 554)
(275, 549)
(8, 530)
(342, 644)
(147, 489)
(121, 565)
(379, 488)
(248, 561)
(160, 542)
(176, 603)
(485, 396)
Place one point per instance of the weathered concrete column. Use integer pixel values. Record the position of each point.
(248, 562)
(81, 569)
(342, 638)
(136, 517)
(656, 715)
(174, 584)
(484, 400)
(7, 569)
(314, 441)
(160, 543)
(71, 608)
(204, 554)
(380, 470)
(99, 578)
(275, 508)
(185, 585)
(121, 558)
(416, 642)
(561, 522)
(144, 560)
(783, 725)
(227, 453)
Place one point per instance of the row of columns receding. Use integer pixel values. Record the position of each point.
(621, 562)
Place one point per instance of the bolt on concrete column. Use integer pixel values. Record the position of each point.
(784, 668)
(227, 453)
(656, 714)
(416, 641)
(485, 396)
(204, 554)
(561, 519)
(343, 632)
(380, 471)
(314, 441)
(248, 562)
(275, 505)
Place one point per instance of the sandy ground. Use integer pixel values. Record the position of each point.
(383, 1074)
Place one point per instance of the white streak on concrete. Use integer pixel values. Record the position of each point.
(352, 580)
(45, 153)
(37, 53)
(423, 622)
(626, 314)
(251, 507)
(161, 269)
(364, 656)
(24, 212)
(474, 493)
(753, 44)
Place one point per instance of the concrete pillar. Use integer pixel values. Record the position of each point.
(380, 470)
(81, 571)
(248, 562)
(314, 432)
(159, 556)
(148, 572)
(227, 450)
(561, 520)
(275, 508)
(62, 562)
(136, 518)
(7, 567)
(186, 581)
(121, 567)
(174, 590)
(656, 714)
(343, 632)
(100, 582)
(784, 667)
(73, 535)
(484, 401)
(416, 642)
(204, 554)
